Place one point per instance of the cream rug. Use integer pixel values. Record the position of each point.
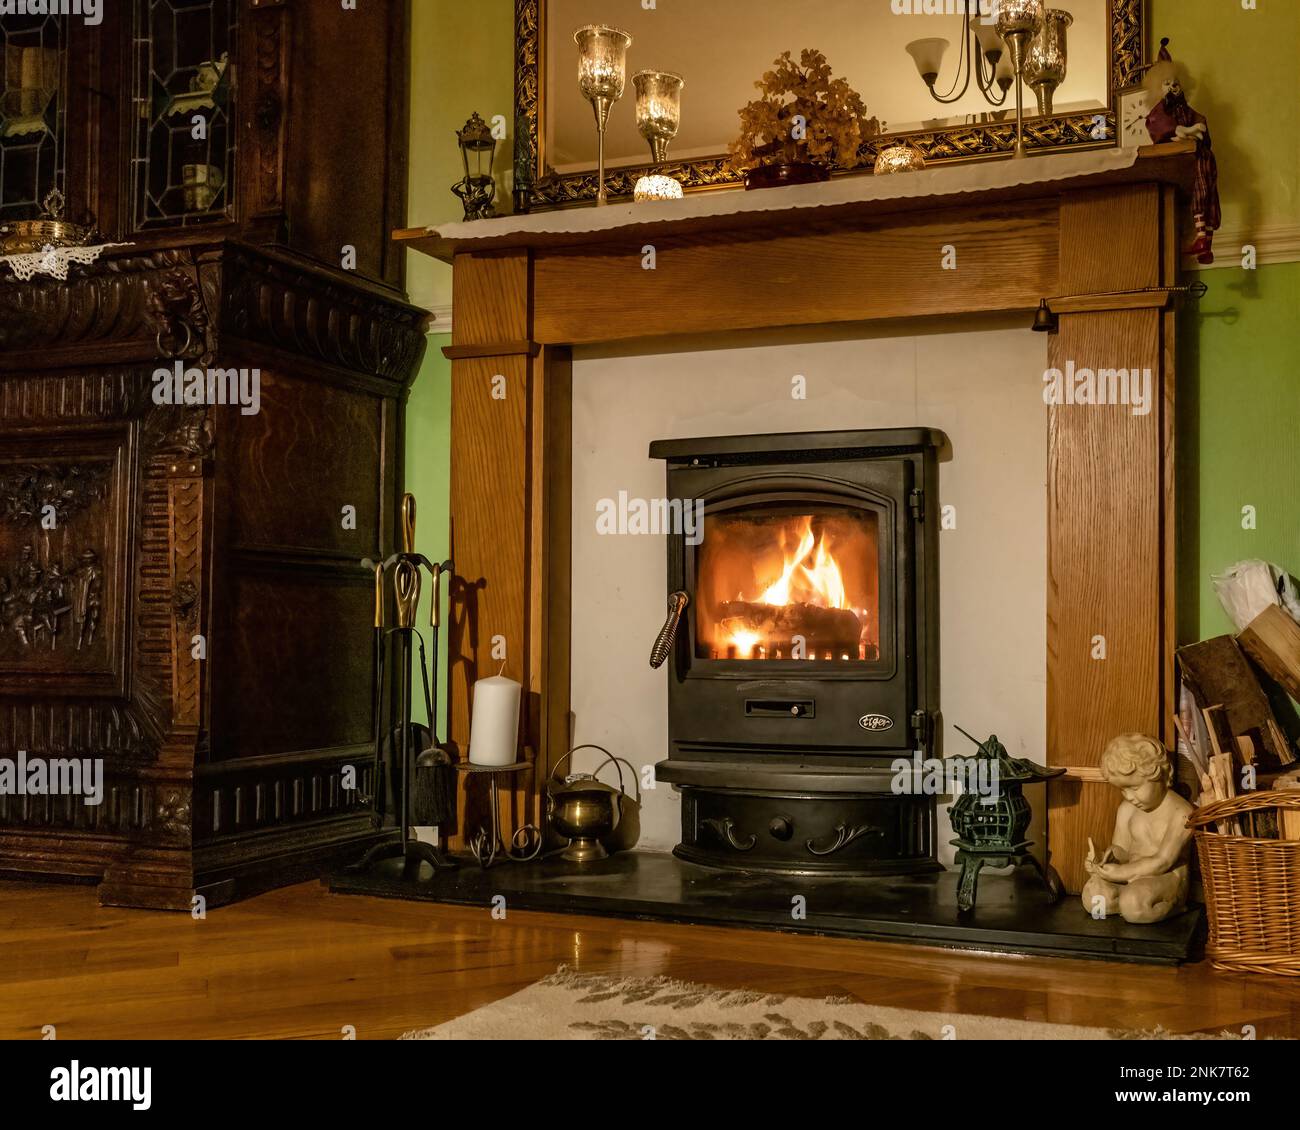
(577, 1006)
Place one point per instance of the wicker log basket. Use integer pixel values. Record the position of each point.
(1252, 888)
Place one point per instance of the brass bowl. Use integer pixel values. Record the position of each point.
(25, 236)
(584, 816)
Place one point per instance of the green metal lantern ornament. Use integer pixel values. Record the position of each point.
(991, 820)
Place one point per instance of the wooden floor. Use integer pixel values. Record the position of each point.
(303, 963)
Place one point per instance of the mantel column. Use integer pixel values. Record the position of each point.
(510, 456)
(1110, 553)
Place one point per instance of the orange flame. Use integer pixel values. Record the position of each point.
(791, 593)
(810, 575)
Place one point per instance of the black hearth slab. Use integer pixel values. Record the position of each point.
(1012, 914)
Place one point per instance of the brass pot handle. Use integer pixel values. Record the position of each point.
(668, 633)
(618, 762)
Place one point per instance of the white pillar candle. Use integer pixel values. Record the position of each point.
(494, 722)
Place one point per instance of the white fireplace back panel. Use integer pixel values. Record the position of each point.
(983, 387)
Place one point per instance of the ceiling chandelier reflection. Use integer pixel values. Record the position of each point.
(981, 55)
(1003, 44)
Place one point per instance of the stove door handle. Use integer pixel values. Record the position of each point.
(668, 633)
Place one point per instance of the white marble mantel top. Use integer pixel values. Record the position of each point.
(725, 208)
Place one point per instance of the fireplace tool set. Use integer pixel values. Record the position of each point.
(416, 774)
(413, 768)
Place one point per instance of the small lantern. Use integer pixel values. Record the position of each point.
(478, 150)
(991, 826)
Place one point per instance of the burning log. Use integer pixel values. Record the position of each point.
(821, 629)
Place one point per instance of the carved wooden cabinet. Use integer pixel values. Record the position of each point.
(180, 587)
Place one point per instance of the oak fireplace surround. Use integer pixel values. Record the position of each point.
(1090, 237)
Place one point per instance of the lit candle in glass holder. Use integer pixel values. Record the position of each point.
(655, 187)
(602, 75)
(901, 158)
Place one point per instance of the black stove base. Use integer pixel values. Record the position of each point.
(1012, 914)
(804, 832)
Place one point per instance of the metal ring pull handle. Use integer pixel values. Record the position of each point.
(668, 633)
(164, 352)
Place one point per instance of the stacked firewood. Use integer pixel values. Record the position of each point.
(1231, 718)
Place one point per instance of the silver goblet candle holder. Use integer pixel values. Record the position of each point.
(658, 109)
(602, 75)
(1045, 66)
(1018, 21)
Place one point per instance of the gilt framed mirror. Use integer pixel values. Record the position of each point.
(925, 69)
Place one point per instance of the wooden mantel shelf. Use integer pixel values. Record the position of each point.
(854, 199)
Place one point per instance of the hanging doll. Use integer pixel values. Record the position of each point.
(1172, 118)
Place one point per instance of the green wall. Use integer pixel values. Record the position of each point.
(1241, 70)
(1239, 352)
(1239, 349)
(1239, 423)
(460, 63)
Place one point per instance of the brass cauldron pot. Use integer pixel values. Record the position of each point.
(25, 236)
(585, 810)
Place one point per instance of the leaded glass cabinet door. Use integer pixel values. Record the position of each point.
(33, 114)
(183, 83)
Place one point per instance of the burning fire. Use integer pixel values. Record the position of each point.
(807, 611)
(801, 582)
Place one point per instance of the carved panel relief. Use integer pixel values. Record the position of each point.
(71, 602)
(60, 559)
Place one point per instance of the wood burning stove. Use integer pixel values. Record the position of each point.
(802, 647)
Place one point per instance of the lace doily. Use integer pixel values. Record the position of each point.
(54, 261)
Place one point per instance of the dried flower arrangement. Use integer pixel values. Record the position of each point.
(834, 117)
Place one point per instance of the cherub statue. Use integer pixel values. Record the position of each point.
(1172, 118)
(1143, 876)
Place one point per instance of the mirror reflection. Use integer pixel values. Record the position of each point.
(914, 71)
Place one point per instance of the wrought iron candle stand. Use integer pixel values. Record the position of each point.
(405, 569)
(487, 845)
(990, 833)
